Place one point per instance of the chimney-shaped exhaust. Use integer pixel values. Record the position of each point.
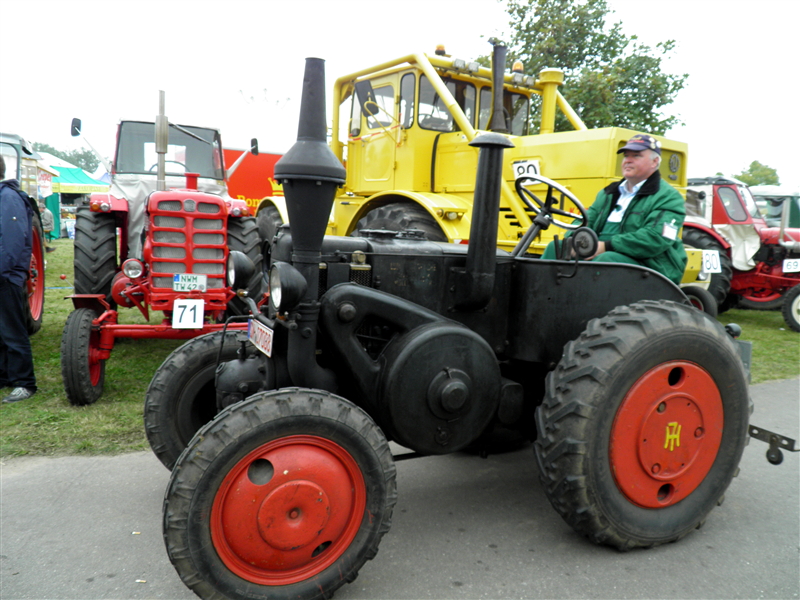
(310, 174)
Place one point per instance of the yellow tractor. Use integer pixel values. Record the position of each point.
(403, 130)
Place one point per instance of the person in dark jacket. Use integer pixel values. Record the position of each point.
(638, 219)
(16, 357)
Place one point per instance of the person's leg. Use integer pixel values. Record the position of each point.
(616, 257)
(18, 355)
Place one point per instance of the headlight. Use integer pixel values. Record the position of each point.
(132, 268)
(240, 270)
(287, 286)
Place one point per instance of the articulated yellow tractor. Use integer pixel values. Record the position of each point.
(403, 129)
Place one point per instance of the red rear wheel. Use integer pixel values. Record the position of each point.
(666, 434)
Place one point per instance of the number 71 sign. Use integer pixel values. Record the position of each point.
(187, 314)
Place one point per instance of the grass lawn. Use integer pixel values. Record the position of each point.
(48, 425)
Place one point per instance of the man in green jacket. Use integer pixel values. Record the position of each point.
(638, 219)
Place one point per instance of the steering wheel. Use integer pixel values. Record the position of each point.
(169, 161)
(546, 207)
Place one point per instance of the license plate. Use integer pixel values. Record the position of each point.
(187, 282)
(791, 265)
(260, 336)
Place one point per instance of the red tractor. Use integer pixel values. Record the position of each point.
(759, 264)
(158, 240)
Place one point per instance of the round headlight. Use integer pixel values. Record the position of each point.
(133, 268)
(287, 286)
(240, 270)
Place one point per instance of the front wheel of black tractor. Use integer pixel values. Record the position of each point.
(720, 283)
(285, 495)
(401, 216)
(643, 424)
(81, 368)
(791, 308)
(95, 253)
(181, 397)
(243, 236)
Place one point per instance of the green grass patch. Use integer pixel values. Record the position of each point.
(47, 425)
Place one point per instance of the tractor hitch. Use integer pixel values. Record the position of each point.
(776, 443)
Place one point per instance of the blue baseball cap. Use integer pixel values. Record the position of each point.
(641, 142)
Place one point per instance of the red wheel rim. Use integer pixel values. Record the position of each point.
(666, 434)
(288, 510)
(36, 280)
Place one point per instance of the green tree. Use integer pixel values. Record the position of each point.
(83, 158)
(758, 174)
(610, 79)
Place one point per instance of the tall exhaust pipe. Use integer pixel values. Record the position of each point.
(310, 174)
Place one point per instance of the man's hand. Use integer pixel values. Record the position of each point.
(601, 247)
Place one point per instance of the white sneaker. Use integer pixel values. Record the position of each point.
(18, 394)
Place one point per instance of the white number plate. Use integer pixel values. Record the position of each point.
(524, 168)
(711, 262)
(187, 282)
(260, 336)
(187, 314)
(791, 265)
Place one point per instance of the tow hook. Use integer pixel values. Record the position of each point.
(776, 443)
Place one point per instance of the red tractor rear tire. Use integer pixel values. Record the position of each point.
(643, 424)
(285, 495)
(720, 283)
(35, 283)
(95, 253)
(243, 236)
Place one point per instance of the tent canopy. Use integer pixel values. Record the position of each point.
(76, 181)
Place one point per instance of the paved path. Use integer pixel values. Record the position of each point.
(464, 527)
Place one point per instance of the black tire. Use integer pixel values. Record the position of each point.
(626, 378)
(36, 276)
(314, 445)
(181, 397)
(83, 375)
(791, 308)
(400, 216)
(755, 302)
(269, 221)
(732, 301)
(701, 299)
(243, 236)
(95, 253)
(720, 283)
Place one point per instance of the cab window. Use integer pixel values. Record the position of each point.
(407, 85)
(515, 106)
(433, 113)
(732, 204)
(384, 98)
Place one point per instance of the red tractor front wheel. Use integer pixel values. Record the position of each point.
(82, 369)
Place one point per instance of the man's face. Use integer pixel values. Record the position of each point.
(638, 165)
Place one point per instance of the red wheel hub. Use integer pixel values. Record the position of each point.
(288, 510)
(666, 434)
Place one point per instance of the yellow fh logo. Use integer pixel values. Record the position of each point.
(673, 437)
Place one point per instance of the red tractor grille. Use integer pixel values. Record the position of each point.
(187, 235)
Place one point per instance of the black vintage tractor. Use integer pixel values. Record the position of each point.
(638, 402)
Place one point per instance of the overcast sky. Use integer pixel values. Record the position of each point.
(237, 65)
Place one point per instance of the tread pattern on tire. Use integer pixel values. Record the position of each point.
(95, 252)
(565, 418)
(243, 236)
(219, 434)
(400, 216)
(789, 308)
(75, 369)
